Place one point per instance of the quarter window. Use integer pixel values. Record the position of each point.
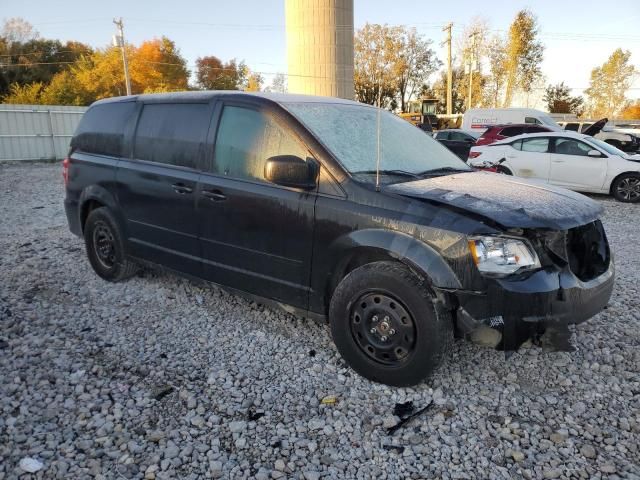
(246, 139)
(539, 145)
(569, 146)
(172, 133)
(101, 130)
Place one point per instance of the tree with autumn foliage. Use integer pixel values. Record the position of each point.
(609, 84)
(213, 74)
(631, 111)
(523, 55)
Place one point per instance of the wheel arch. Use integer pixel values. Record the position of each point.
(96, 196)
(371, 245)
(613, 181)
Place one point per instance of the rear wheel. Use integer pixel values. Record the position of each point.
(386, 325)
(103, 241)
(626, 188)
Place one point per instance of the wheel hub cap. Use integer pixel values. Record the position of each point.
(383, 328)
(104, 245)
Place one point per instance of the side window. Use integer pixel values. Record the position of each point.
(512, 131)
(517, 144)
(101, 130)
(532, 120)
(569, 146)
(245, 140)
(539, 145)
(172, 133)
(457, 136)
(572, 126)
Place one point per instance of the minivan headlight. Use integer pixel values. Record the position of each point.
(502, 255)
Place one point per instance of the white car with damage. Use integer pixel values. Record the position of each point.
(567, 159)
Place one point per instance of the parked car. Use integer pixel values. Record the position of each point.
(619, 138)
(479, 119)
(571, 160)
(500, 132)
(296, 202)
(458, 141)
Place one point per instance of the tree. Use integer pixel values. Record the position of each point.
(278, 84)
(18, 30)
(24, 94)
(254, 82)
(497, 60)
(609, 84)
(212, 74)
(415, 63)
(523, 55)
(631, 111)
(377, 51)
(458, 95)
(559, 100)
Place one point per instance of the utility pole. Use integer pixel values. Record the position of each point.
(122, 45)
(473, 36)
(447, 28)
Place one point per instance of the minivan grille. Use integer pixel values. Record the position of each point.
(588, 251)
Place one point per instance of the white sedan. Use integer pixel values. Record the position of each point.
(567, 159)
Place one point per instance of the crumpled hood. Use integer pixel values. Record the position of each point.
(508, 201)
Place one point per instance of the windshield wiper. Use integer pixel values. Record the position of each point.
(444, 170)
(388, 172)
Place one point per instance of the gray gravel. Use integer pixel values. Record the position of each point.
(159, 377)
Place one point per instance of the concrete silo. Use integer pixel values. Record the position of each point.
(320, 47)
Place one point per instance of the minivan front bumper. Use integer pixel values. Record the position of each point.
(526, 306)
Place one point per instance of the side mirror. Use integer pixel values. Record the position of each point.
(594, 153)
(291, 171)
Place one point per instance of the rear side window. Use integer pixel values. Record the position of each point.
(246, 139)
(101, 130)
(512, 131)
(539, 145)
(172, 133)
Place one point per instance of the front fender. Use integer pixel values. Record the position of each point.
(416, 254)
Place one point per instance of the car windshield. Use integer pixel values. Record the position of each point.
(610, 149)
(350, 132)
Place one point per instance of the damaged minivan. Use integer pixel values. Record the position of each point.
(337, 211)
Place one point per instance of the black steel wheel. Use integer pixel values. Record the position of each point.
(383, 328)
(626, 188)
(388, 325)
(105, 248)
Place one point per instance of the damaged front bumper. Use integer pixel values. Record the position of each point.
(540, 306)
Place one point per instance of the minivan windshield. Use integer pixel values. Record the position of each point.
(350, 132)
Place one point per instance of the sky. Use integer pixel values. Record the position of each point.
(578, 35)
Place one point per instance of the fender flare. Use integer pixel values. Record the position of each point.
(419, 256)
(103, 196)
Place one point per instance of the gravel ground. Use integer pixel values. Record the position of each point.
(159, 377)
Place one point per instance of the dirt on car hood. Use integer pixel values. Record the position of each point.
(508, 201)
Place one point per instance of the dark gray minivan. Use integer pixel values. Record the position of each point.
(337, 211)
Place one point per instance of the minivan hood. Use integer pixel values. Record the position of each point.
(595, 129)
(508, 201)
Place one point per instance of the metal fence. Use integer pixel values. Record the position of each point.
(36, 132)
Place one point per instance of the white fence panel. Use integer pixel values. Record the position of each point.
(37, 132)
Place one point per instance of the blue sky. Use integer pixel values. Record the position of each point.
(578, 35)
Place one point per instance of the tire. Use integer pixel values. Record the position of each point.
(410, 329)
(626, 188)
(105, 248)
(504, 170)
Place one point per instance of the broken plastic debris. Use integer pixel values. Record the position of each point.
(31, 465)
(406, 409)
(329, 400)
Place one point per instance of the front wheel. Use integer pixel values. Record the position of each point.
(386, 325)
(626, 188)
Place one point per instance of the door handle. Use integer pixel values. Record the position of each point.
(181, 188)
(214, 195)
